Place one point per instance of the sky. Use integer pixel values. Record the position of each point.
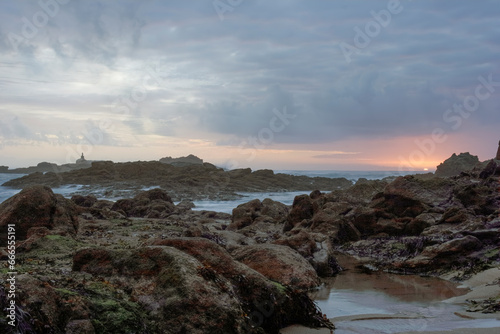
(282, 84)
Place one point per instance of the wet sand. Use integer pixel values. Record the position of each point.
(481, 286)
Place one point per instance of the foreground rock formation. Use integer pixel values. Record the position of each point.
(80, 273)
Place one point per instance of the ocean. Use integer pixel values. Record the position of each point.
(228, 206)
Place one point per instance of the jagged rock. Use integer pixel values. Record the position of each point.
(182, 161)
(279, 263)
(302, 208)
(490, 170)
(37, 206)
(456, 164)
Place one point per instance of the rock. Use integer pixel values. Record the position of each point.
(85, 201)
(38, 206)
(248, 213)
(456, 164)
(184, 181)
(302, 208)
(80, 327)
(489, 170)
(183, 295)
(316, 248)
(409, 196)
(182, 161)
(192, 285)
(276, 210)
(498, 152)
(446, 254)
(238, 173)
(245, 214)
(279, 263)
(44, 309)
(154, 203)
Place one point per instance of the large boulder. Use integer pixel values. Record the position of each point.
(178, 291)
(315, 248)
(279, 263)
(192, 285)
(36, 207)
(248, 213)
(456, 164)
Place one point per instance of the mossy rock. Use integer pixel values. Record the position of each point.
(113, 316)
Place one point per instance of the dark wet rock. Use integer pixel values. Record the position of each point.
(85, 201)
(447, 253)
(302, 208)
(279, 263)
(409, 196)
(38, 206)
(154, 203)
(491, 169)
(248, 213)
(456, 164)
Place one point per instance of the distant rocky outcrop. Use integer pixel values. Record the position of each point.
(456, 164)
(48, 167)
(182, 161)
(191, 182)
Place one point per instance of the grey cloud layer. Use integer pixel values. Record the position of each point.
(224, 78)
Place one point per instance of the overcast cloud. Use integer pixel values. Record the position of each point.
(130, 70)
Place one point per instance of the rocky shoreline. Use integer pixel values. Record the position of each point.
(181, 182)
(146, 265)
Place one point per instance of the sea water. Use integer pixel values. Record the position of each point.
(227, 206)
(7, 192)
